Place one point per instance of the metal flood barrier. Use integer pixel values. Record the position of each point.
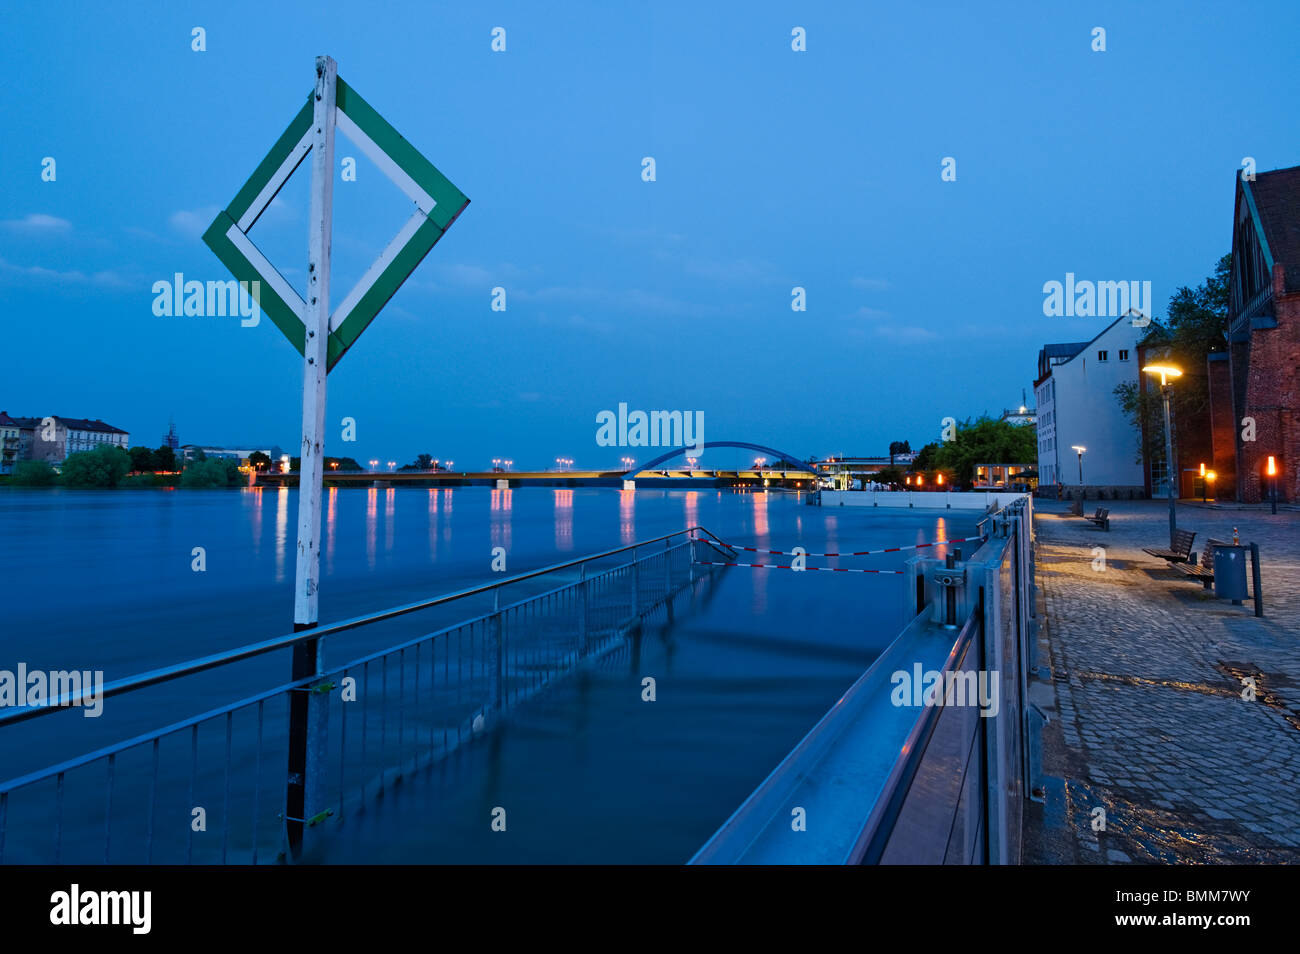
(370, 720)
(887, 777)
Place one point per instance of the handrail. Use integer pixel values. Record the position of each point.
(288, 641)
(871, 843)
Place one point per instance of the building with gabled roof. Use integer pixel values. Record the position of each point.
(1262, 383)
(1077, 406)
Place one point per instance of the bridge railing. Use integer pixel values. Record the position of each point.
(211, 787)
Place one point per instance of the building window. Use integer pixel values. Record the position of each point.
(1102, 355)
(1123, 354)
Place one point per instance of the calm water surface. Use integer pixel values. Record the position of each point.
(588, 772)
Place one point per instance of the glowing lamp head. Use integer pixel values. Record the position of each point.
(940, 479)
(1210, 476)
(1202, 470)
(1078, 448)
(1165, 371)
(1272, 466)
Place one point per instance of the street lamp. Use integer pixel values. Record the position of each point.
(1272, 482)
(1167, 372)
(1209, 476)
(1079, 449)
(373, 465)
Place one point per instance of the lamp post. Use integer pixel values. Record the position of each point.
(1272, 482)
(1079, 450)
(1167, 372)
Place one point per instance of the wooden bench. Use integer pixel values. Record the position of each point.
(1204, 572)
(1180, 552)
(1101, 518)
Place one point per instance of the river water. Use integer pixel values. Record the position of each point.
(586, 773)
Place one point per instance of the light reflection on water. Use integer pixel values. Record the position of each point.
(745, 671)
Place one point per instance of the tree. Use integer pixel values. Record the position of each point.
(102, 467)
(211, 472)
(259, 461)
(164, 458)
(925, 457)
(898, 447)
(142, 460)
(1196, 327)
(33, 473)
(986, 441)
(889, 476)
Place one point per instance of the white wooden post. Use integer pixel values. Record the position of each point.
(307, 707)
(316, 318)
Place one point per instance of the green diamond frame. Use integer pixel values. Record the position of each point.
(438, 204)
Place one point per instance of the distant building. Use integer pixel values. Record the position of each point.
(12, 442)
(240, 454)
(171, 438)
(1022, 416)
(1255, 392)
(1002, 476)
(53, 438)
(1077, 406)
(842, 471)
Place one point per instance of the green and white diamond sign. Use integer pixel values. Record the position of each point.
(437, 204)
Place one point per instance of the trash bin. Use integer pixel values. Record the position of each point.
(1230, 573)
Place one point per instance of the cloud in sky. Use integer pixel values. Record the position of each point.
(192, 223)
(103, 279)
(38, 222)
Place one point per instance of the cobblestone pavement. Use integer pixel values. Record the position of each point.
(1145, 693)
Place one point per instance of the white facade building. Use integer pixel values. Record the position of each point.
(1077, 405)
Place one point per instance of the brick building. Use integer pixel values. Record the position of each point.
(52, 439)
(1261, 387)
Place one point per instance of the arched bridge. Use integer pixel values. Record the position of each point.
(803, 469)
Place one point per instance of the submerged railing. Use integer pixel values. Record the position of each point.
(887, 777)
(370, 721)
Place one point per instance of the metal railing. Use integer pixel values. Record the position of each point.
(879, 781)
(370, 721)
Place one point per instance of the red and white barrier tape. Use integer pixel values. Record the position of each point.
(782, 566)
(915, 546)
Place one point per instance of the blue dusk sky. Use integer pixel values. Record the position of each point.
(774, 169)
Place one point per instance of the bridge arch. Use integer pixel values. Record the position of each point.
(681, 451)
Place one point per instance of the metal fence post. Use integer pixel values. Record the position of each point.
(691, 538)
(496, 654)
(636, 585)
(1254, 579)
(668, 577)
(582, 611)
